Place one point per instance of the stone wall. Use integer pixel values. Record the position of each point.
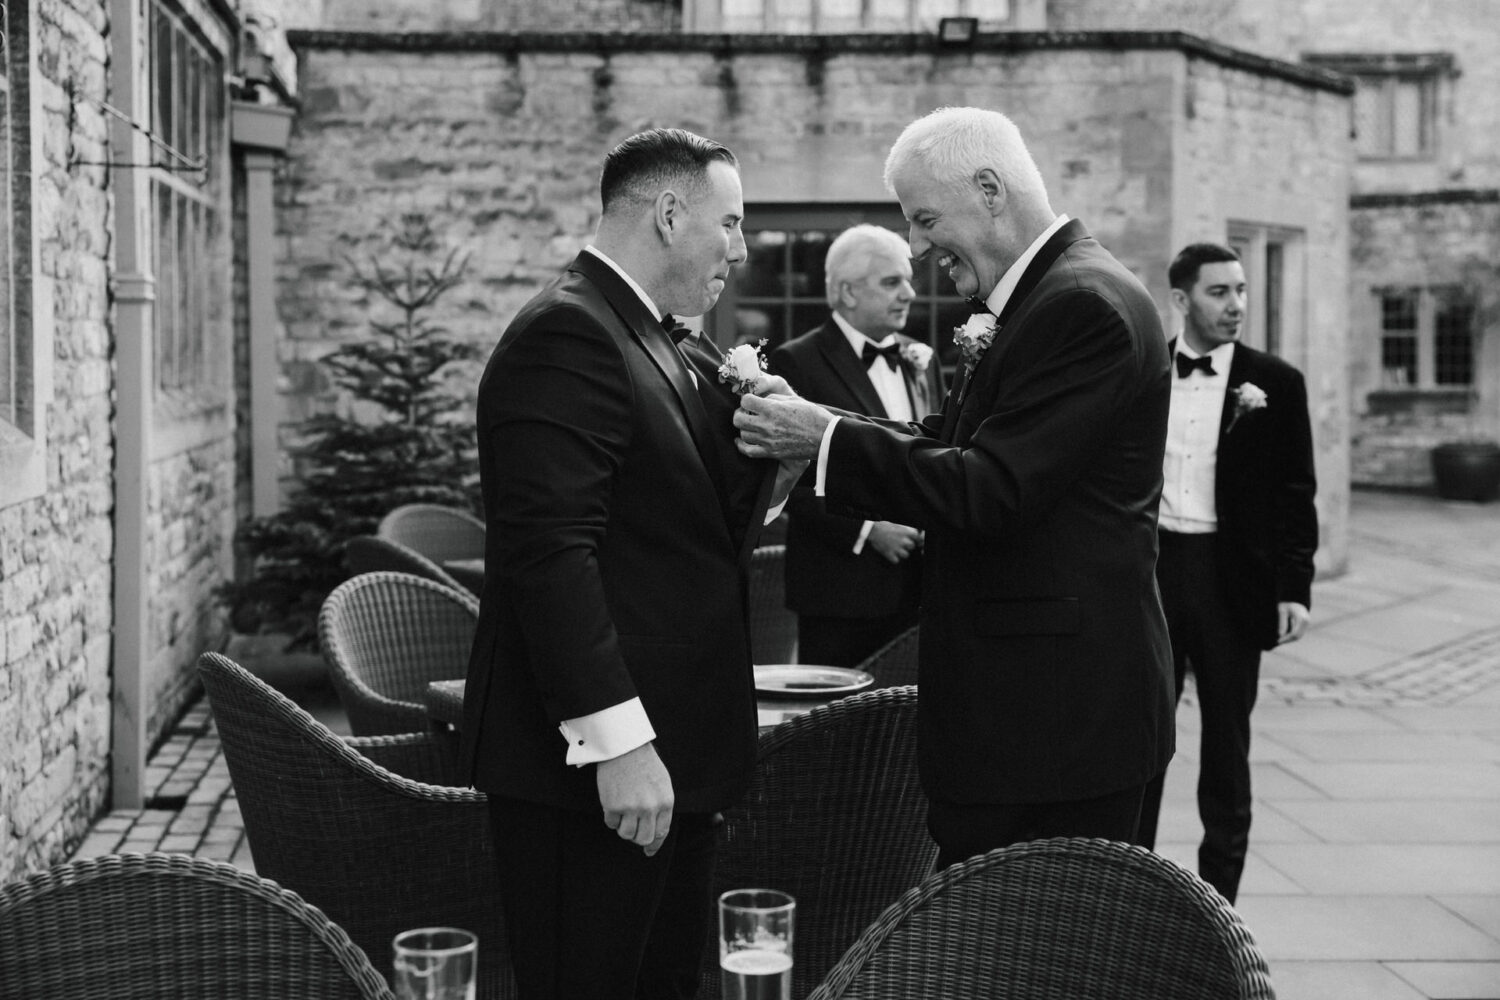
(489, 15)
(1426, 241)
(55, 549)
(499, 137)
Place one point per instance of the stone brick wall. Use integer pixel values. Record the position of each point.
(1414, 241)
(492, 15)
(500, 139)
(55, 584)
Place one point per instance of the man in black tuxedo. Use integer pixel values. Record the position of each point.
(610, 707)
(1238, 533)
(855, 583)
(1046, 676)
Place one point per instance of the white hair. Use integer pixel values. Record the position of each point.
(850, 253)
(953, 144)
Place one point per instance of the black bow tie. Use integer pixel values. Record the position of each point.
(977, 305)
(675, 330)
(1186, 365)
(891, 352)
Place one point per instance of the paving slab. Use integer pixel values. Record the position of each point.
(1392, 821)
(1303, 980)
(1355, 927)
(1451, 980)
(1390, 869)
(1481, 911)
(1458, 747)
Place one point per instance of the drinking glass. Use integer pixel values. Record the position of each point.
(435, 963)
(755, 944)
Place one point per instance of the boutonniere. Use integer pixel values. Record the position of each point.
(742, 367)
(1248, 397)
(918, 355)
(974, 338)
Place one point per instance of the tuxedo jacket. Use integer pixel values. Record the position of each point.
(1264, 485)
(620, 520)
(824, 577)
(1045, 667)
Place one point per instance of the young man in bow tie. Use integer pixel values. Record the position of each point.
(1238, 532)
(1045, 673)
(855, 583)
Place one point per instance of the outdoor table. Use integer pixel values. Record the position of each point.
(444, 701)
(469, 572)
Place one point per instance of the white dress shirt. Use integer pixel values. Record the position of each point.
(1188, 501)
(890, 386)
(996, 301)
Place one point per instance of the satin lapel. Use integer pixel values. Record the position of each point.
(1239, 373)
(647, 332)
(1071, 232)
(834, 347)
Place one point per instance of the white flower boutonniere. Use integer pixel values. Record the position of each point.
(742, 367)
(1248, 397)
(974, 338)
(918, 355)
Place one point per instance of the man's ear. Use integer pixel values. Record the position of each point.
(667, 212)
(1180, 300)
(847, 298)
(991, 189)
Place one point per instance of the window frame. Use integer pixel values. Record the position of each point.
(1382, 74)
(1428, 306)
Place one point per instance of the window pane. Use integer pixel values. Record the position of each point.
(1453, 340)
(1371, 118)
(161, 55)
(186, 286)
(166, 292)
(1273, 296)
(743, 15)
(762, 273)
(1398, 361)
(1408, 118)
(809, 252)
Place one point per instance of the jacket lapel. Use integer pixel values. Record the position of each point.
(647, 333)
(845, 364)
(1071, 232)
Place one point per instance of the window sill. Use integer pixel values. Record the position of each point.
(1433, 400)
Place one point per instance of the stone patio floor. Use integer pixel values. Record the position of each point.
(1374, 870)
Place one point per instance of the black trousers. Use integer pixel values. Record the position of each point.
(963, 830)
(847, 642)
(589, 917)
(1226, 668)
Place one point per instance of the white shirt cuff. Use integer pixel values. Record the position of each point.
(864, 536)
(820, 484)
(608, 733)
(773, 513)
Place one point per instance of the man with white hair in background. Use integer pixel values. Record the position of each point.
(1046, 676)
(855, 583)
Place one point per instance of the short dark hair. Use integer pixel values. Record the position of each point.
(1183, 273)
(641, 165)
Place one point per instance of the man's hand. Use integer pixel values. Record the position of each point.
(636, 793)
(1292, 619)
(787, 474)
(779, 427)
(894, 542)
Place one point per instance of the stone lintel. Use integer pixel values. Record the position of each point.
(824, 46)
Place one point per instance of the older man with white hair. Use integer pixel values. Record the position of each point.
(1046, 674)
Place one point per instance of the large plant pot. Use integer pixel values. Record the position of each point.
(1467, 470)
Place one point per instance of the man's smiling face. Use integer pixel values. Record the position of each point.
(954, 224)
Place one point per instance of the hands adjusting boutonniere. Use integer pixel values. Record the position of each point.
(974, 338)
(1248, 397)
(742, 367)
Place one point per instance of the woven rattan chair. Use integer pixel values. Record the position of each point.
(773, 629)
(368, 554)
(163, 926)
(895, 663)
(385, 636)
(439, 533)
(836, 817)
(378, 852)
(1064, 919)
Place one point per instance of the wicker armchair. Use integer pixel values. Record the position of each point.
(1059, 918)
(377, 852)
(895, 663)
(437, 532)
(836, 817)
(162, 926)
(773, 629)
(385, 635)
(368, 554)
